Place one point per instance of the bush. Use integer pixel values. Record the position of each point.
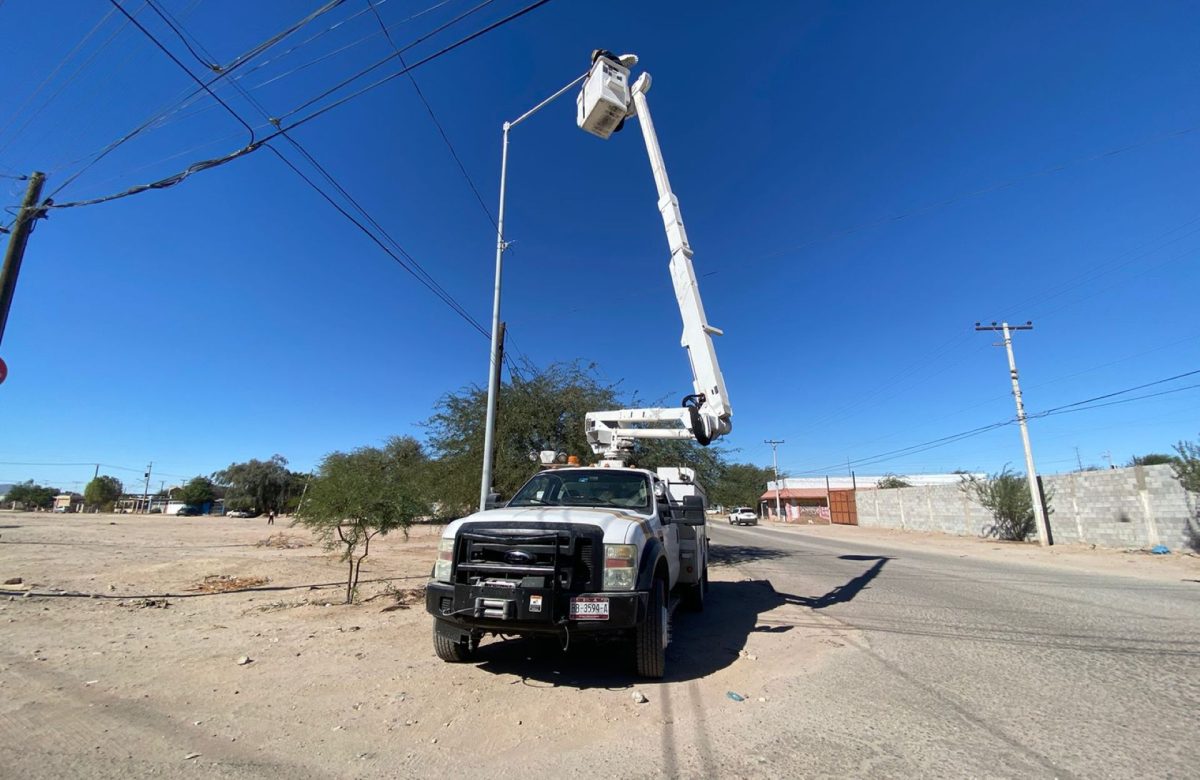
(1006, 495)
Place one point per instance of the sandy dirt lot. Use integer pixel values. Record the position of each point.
(116, 665)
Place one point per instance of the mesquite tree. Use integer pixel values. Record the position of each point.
(359, 495)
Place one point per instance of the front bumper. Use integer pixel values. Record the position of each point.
(460, 608)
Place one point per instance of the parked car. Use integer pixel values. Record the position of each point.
(237, 513)
(743, 515)
(187, 511)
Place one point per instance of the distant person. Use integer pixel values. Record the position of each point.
(271, 517)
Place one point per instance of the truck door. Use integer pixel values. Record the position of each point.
(668, 532)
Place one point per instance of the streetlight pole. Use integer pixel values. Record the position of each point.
(489, 426)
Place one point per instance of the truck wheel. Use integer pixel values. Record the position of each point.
(451, 651)
(651, 635)
(693, 598)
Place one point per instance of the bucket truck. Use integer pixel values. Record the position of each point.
(605, 551)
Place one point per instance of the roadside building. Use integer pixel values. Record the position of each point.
(831, 499)
(68, 502)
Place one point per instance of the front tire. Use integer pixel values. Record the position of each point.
(451, 651)
(650, 637)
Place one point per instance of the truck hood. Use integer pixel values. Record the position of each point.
(618, 525)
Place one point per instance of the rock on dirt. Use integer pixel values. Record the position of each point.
(243, 660)
(13, 581)
(639, 697)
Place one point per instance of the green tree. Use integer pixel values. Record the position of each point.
(103, 492)
(891, 481)
(543, 409)
(1152, 459)
(32, 496)
(259, 485)
(359, 495)
(197, 492)
(1187, 471)
(1006, 495)
(739, 484)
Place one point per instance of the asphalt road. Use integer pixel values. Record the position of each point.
(960, 667)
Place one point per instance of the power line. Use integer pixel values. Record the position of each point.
(175, 59)
(203, 165)
(61, 64)
(1077, 406)
(176, 28)
(390, 57)
(432, 287)
(487, 212)
(226, 71)
(412, 266)
(265, 62)
(1119, 392)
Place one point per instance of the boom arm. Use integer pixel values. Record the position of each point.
(706, 414)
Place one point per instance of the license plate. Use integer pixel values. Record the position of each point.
(585, 608)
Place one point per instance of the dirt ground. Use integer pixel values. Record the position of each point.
(123, 660)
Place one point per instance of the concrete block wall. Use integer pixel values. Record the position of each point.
(1132, 507)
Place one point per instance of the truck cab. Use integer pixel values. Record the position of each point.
(598, 551)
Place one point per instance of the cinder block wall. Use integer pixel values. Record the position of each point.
(1132, 507)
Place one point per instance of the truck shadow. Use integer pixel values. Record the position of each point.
(701, 643)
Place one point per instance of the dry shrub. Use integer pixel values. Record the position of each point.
(282, 542)
(224, 583)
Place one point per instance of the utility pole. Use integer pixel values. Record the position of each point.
(775, 463)
(303, 493)
(1108, 457)
(146, 489)
(1078, 459)
(1035, 494)
(21, 229)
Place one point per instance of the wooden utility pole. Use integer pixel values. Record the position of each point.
(1035, 494)
(30, 211)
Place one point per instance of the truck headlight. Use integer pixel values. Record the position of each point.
(620, 566)
(445, 557)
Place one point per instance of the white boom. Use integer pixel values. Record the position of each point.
(706, 413)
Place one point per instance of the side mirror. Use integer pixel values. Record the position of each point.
(693, 511)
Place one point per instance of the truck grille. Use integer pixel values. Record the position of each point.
(563, 558)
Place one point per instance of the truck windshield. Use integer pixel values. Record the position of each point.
(586, 487)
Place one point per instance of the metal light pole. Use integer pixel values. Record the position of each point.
(489, 427)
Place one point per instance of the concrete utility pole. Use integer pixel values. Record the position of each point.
(146, 489)
(775, 463)
(1035, 494)
(21, 229)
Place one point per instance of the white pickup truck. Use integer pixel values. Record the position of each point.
(604, 552)
(743, 515)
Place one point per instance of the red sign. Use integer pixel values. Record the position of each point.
(3, 371)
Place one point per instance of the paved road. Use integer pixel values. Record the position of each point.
(962, 667)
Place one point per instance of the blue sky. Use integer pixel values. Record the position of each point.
(861, 183)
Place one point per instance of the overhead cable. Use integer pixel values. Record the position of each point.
(61, 64)
(203, 165)
(1078, 406)
(412, 266)
(238, 62)
(417, 88)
